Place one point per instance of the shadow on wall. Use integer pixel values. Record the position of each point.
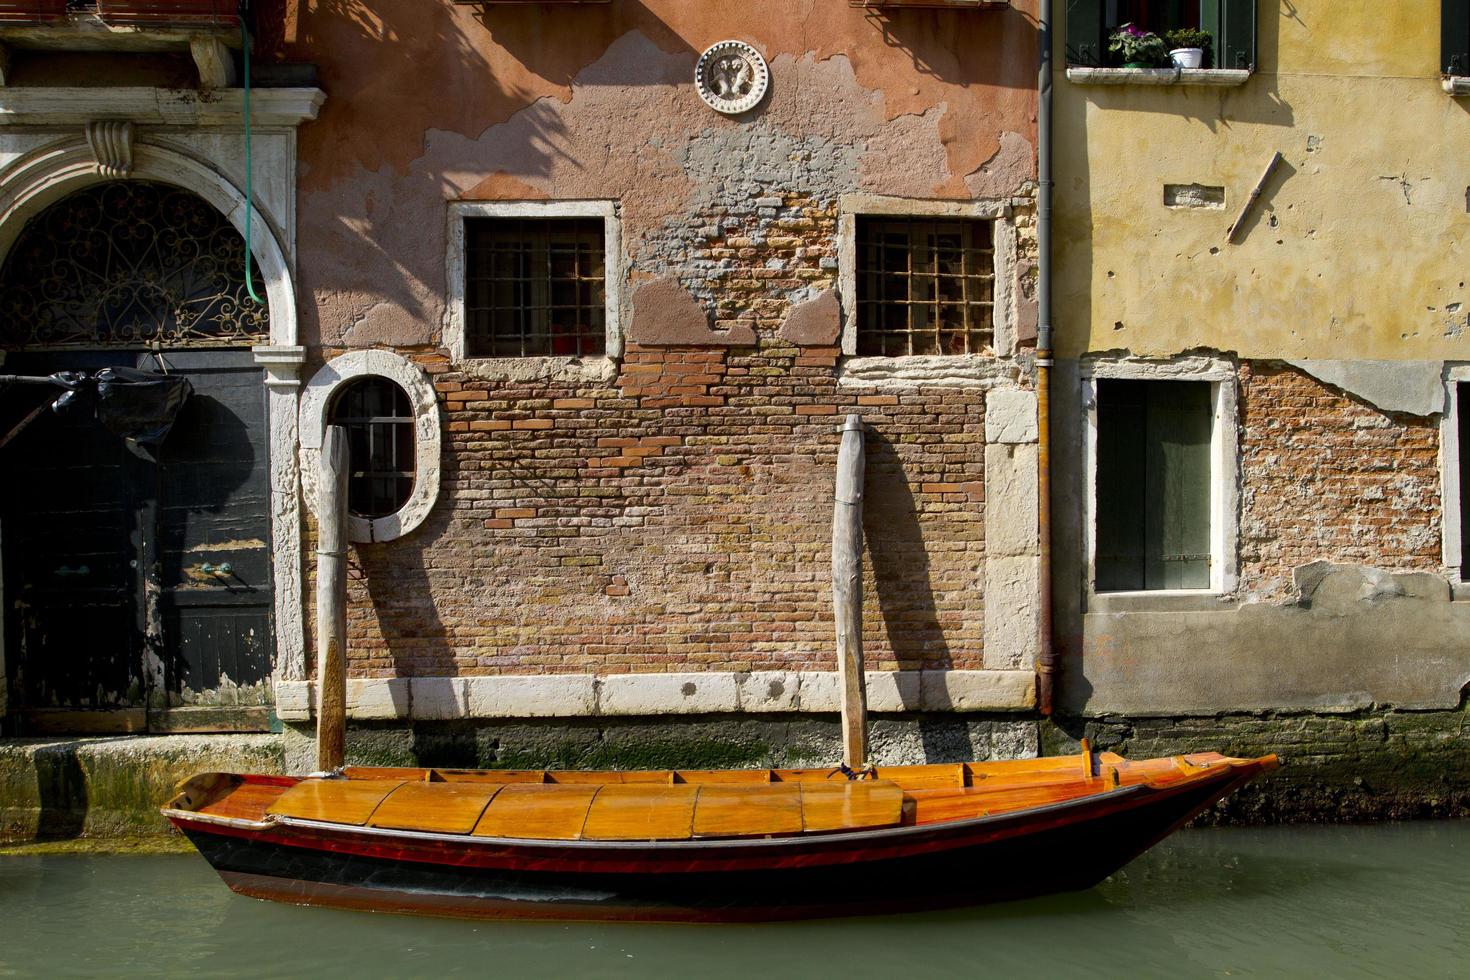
(943, 43)
(61, 787)
(396, 580)
(895, 545)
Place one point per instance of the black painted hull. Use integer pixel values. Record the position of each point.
(1050, 849)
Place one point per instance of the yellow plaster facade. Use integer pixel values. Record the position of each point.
(1359, 246)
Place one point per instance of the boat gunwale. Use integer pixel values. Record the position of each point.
(1234, 771)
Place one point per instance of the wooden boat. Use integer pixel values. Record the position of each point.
(682, 845)
(694, 845)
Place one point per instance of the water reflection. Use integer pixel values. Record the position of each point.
(1317, 901)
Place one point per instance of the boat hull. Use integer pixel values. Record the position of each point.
(1062, 847)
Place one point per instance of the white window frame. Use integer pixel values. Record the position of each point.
(615, 269)
(1003, 229)
(1222, 377)
(316, 404)
(1451, 516)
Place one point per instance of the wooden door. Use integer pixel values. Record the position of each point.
(69, 532)
(138, 595)
(213, 560)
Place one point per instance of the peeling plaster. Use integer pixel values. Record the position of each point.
(664, 314)
(1409, 387)
(628, 128)
(814, 323)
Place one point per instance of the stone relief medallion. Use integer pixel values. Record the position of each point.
(732, 77)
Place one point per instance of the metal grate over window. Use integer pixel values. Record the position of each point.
(380, 440)
(535, 287)
(925, 286)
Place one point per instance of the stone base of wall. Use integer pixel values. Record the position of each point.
(1341, 768)
(688, 742)
(1368, 765)
(108, 788)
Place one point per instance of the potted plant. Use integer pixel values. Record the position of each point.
(1188, 46)
(1135, 48)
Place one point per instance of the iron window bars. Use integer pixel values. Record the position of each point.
(535, 287)
(380, 443)
(925, 286)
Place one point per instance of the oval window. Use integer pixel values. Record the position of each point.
(379, 421)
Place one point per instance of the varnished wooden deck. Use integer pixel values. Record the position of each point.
(677, 805)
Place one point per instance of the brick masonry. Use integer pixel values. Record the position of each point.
(679, 518)
(1328, 477)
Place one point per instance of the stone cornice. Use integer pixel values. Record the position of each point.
(269, 107)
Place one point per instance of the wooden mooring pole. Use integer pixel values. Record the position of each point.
(331, 601)
(847, 593)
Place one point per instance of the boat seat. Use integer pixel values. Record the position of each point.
(611, 812)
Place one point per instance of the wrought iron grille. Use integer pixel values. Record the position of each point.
(128, 264)
(925, 286)
(380, 444)
(535, 287)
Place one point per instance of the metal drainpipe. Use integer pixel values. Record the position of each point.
(1046, 651)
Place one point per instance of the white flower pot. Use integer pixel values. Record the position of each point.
(1188, 57)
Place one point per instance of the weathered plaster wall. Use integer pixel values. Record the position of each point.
(1356, 247)
(598, 101)
(669, 511)
(1341, 301)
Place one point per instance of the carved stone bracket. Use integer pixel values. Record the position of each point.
(111, 141)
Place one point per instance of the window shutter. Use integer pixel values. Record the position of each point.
(1085, 43)
(1177, 486)
(1454, 37)
(1122, 434)
(1235, 34)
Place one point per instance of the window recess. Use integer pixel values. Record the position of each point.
(925, 286)
(1230, 23)
(1154, 485)
(535, 287)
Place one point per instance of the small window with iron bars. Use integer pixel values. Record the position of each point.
(925, 286)
(379, 421)
(535, 287)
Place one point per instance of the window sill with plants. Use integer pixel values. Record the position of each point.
(1177, 57)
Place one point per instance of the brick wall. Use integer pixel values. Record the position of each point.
(1325, 476)
(679, 518)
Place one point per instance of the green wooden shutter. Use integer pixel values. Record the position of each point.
(1177, 486)
(1233, 23)
(1463, 392)
(1454, 37)
(1085, 42)
(1122, 415)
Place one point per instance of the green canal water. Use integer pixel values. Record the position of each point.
(1390, 901)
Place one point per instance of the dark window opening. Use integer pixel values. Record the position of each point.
(535, 287)
(1153, 485)
(1462, 392)
(1231, 25)
(1454, 35)
(925, 286)
(380, 442)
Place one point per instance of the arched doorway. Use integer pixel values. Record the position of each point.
(138, 592)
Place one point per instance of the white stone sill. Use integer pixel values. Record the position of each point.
(1159, 600)
(1210, 77)
(625, 695)
(1456, 85)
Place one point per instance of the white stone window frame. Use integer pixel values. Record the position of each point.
(1224, 380)
(1452, 517)
(943, 367)
(316, 404)
(551, 367)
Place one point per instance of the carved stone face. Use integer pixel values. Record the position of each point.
(731, 77)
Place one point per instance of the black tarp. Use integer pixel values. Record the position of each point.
(137, 406)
